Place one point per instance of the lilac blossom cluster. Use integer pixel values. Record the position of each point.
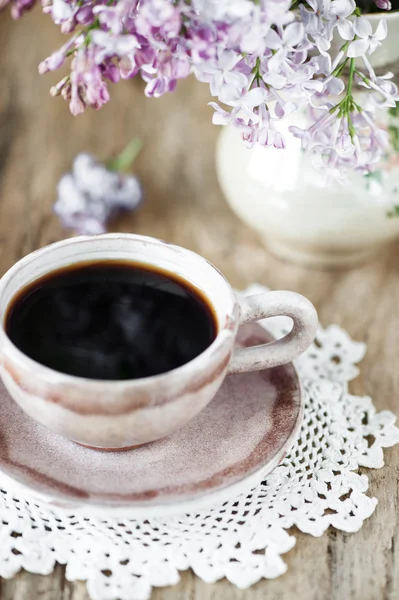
(91, 195)
(263, 60)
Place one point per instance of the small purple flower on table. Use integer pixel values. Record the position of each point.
(92, 194)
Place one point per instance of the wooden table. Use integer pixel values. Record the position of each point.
(38, 140)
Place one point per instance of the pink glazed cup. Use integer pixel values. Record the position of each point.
(121, 414)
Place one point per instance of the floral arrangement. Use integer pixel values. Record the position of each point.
(263, 60)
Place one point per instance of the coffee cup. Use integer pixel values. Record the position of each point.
(122, 414)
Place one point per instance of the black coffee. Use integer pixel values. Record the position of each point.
(110, 320)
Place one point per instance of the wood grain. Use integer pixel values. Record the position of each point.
(38, 140)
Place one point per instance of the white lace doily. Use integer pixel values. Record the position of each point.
(316, 486)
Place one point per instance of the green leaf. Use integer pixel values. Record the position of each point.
(394, 212)
(394, 110)
(123, 162)
(394, 133)
(375, 176)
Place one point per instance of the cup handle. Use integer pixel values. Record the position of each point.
(279, 352)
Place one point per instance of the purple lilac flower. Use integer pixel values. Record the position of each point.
(89, 196)
(18, 7)
(261, 60)
(383, 4)
(343, 144)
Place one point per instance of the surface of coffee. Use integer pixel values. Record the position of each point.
(110, 320)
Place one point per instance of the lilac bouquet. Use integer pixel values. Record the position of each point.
(263, 60)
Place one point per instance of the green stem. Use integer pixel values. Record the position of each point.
(338, 71)
(257, 75)
(125, 159)
(351, 74)
(365, 79)
(347, 105)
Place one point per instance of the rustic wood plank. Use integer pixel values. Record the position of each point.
(38, 140)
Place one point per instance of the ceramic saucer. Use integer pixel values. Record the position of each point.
(240, 437)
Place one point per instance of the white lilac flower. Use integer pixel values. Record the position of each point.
(91, 195)
(112, 17)
(284, 45)
(110, 46)
(244, 103)
(367, 41)
(341, 10)
(223, 10)
(260, 128)
(344, 144)
(61, 11)
(221, 72)
(317, 22)
(385, 91)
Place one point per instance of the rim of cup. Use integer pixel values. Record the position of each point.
(49, 374)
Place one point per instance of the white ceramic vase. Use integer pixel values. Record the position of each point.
(280, 194)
